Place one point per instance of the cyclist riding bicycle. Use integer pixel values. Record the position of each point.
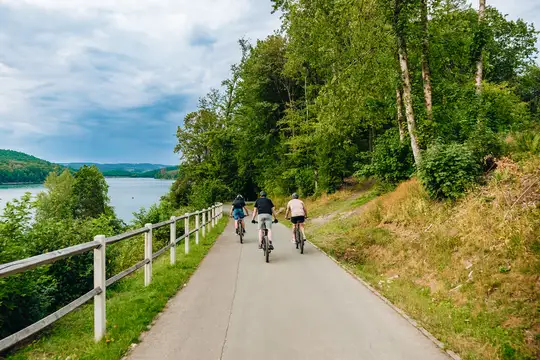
(237, 211)
(297, 211)
(264, 208)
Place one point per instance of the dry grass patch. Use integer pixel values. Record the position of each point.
(469, 270)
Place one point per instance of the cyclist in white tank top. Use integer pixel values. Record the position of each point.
(297, 211)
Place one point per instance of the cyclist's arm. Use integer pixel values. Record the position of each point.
(305, 210)
(254, 213)
(246, 210)
(274, 213)
(287, 212)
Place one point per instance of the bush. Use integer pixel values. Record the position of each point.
(446, 171)
(391, 159)
(207, 192)
(527, 142)
(501, 109)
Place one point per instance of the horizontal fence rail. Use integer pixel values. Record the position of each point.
(47, 258)
(209, 219)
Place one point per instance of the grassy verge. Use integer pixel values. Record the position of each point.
(130, 309)
(467, 271)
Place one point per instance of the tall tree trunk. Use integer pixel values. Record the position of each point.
(399, 107)
(406, 77)
(480, 61)
(426, 71)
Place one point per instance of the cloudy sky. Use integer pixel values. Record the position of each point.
(110, 80)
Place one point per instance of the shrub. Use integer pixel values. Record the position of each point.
(391, 159)
(446, 171)
(527, 142)
(484, 141)
(501, 109)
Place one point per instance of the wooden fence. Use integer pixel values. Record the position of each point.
(209, 216)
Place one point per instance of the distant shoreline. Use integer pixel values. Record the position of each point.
(21, 183)
(106, 177)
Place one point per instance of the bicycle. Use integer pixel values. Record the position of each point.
(240, 231)
(265, 242)
(299, 238)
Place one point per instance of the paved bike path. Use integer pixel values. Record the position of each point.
(237, 307)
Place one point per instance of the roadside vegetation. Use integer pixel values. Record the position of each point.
(72, 210)
(131, 308)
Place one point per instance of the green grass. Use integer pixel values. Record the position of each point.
(131, 307)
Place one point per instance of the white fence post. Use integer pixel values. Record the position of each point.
(173, 240)
(197, 227)
(100, 278)
(186, 239)
(209, 219)
(220, 210)
(213, 216)
(148, 255)
(204, 222)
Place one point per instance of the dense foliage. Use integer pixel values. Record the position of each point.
(447, 171)
(311, 105)
(17, 167)
(71, 211)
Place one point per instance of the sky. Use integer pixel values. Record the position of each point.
(111, 80)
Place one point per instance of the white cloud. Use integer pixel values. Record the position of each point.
(61, 58)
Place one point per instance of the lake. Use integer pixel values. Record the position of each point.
(127, 194)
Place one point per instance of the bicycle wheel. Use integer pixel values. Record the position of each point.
(266, 249)
(301, 237)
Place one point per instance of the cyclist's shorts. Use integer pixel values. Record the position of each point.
(298, 219)
(238, 214)
(265, 219)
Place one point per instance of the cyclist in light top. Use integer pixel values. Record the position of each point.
(297, 211)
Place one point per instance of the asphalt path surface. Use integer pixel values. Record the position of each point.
(238, 307)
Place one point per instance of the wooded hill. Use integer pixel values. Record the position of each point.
(18, 167)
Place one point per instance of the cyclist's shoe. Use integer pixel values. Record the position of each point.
(260, 246)
(270, 246)
(293, 241)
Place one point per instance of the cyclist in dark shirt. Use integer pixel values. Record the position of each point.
(237, 211)
(264, 208)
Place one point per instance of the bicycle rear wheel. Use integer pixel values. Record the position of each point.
(266, 249)
(301, 237)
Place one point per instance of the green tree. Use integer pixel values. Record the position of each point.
(90, 190)
(58, 202)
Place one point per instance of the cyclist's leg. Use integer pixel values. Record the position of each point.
(295, 224)
(242, 222)
(260, 224)
(235, 216)
(268, 223)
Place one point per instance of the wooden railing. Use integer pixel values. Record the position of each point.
(209, 216)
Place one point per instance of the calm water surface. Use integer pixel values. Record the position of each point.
(127, 195)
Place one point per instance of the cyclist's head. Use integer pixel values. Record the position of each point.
(295, 196)
(263, 194)
(239, 197)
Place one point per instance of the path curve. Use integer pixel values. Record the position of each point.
(237, 307)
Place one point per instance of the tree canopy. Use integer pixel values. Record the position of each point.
(308, 106)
